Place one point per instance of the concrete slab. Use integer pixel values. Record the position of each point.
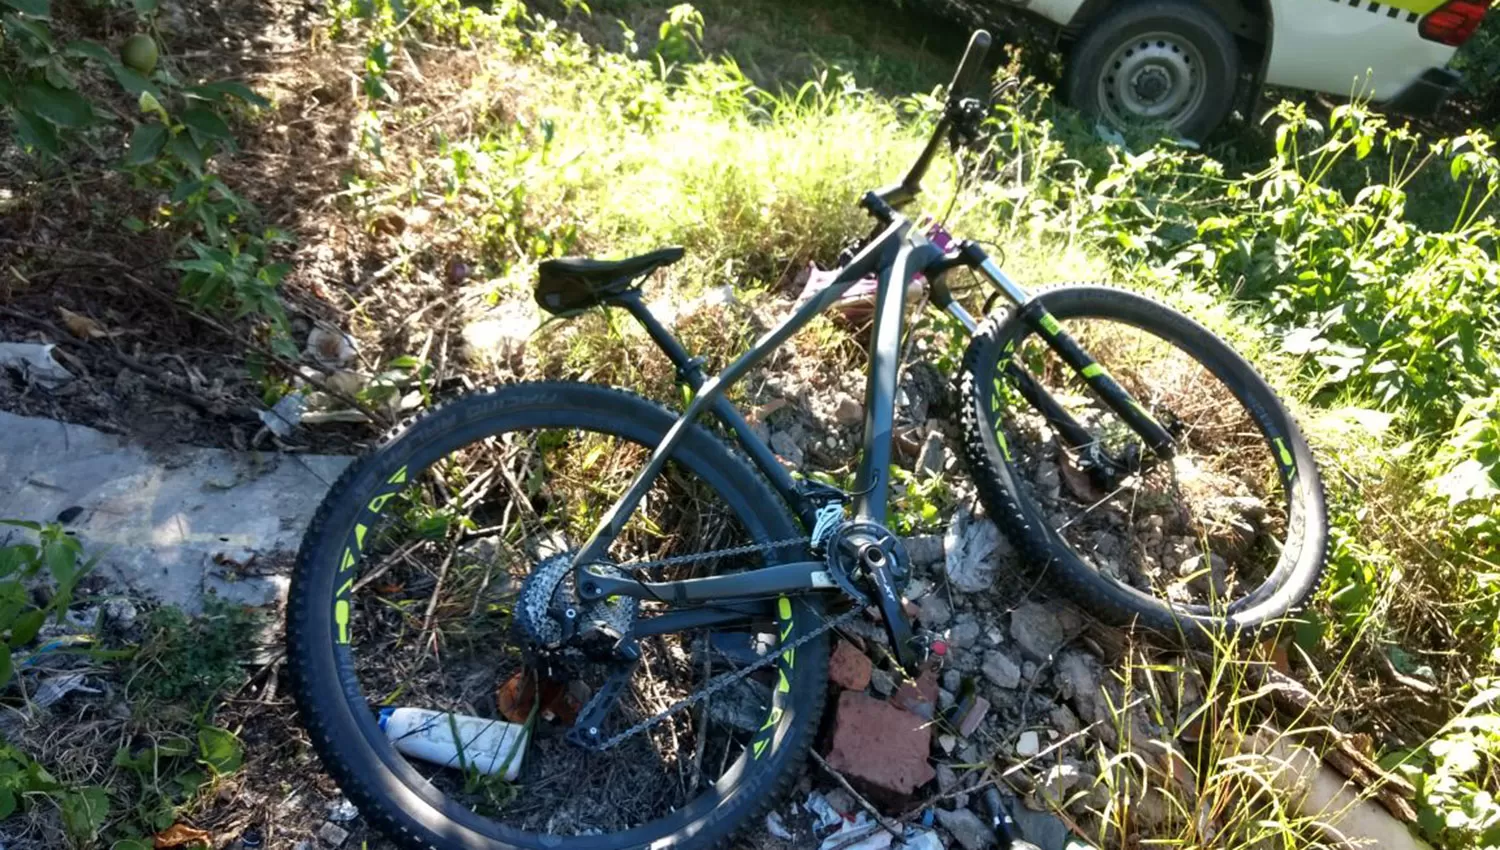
(169, 524)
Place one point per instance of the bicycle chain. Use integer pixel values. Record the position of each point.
(724, 680)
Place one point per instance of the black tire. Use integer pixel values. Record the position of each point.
(1179, 43)
(390, 794)
(1007, 491)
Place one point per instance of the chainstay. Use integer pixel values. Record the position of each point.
(723, 681)
(715, 553)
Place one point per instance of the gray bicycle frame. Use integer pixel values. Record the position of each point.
(896, 257)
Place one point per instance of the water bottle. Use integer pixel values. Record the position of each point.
(489, 746)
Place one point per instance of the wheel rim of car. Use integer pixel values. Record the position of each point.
(1152, 79)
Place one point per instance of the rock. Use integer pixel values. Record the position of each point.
(330, 348)
(1001, 669)
(947, 743)
(919, 697)
(882, 682)
(160, 519)
(994, 636)
(500, 338)
(1029, 744)
(846, 411)
(974, 550)
(880, 747)
(946, 700)
(931, 458)
(849, 668)
(947, 778)
(1043, 829)
(925, 839)
(332, 834)
(963, 635)
(1029, 670)
(953, 680)
(973, 716)
(1064, 720)
(967, 828)
(1041, 630)
(783, 444)
(1057, 783)
(305, 845)
(342, 811)
(1210, 579)
(841, 801)
(1048, 481)
(924, 550)
(120, 613)
(933, 611)
(35, 363)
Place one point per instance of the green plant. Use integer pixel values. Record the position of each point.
(189, 661)
(20, 617)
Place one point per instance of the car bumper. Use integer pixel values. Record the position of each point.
(1426, 93)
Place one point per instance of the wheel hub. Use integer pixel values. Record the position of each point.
(1153, 79)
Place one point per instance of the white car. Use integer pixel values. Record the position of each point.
(1179, 63)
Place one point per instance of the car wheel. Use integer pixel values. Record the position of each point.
(1166, 64)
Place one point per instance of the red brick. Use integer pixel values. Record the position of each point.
(919, 697)
(849, 667)
(880, 748)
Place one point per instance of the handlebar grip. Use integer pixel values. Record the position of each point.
(968, 68)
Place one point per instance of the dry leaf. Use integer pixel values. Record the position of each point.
(81, 326)
(181, 835)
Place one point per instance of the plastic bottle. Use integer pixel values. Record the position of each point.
(489, 746)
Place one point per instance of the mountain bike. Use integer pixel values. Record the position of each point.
(650, 594)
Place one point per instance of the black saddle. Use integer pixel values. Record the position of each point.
(570, 284)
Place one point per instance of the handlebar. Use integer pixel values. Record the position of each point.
(968, 68)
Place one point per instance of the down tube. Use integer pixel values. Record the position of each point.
(614, 520)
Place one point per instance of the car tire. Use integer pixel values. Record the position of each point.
(1168, 64)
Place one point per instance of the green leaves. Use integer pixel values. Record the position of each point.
(206, 126)
(32, 8)
(220, 750)
(146, 142)
(83, 812)
(61, 107)
(216, 92)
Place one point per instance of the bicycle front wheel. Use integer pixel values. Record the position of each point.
(435, 562)
(1227, 535)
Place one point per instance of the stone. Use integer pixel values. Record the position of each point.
(782, 443)
(849, 668)
(1064, 720)
(919, 697)
(1042, 629)
(994, 636)
(946, 700)
(1043, 829)
(332, 834)
(120, 613)
(34, 363)
(1056, 783)
(1029, 744)
(846, 411)
(947, 778)
(168, 523)
(947, 743)
(1029, 670)
(974, 549)
(1210, 579)
(1000, 669)
(933, 455)
(925, 839)
(934, 611)
(329, 348)
(499, 339)
(967, 828)
(882, 682)
(1080, 681)
(973, 716)
(1048, 481)
(924, 550)
(953, 680)
(880, 747)
(963, 635)
(342, 811)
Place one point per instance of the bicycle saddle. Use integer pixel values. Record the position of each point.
(570, 284)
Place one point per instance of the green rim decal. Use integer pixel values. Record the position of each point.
(1049, 324)
(1093, 370)
(783, 681)
(399, 477)
(341, 617)
(359, 536)
(1286, 455)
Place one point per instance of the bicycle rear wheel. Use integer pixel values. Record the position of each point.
(1227, 536)
(418, 580)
